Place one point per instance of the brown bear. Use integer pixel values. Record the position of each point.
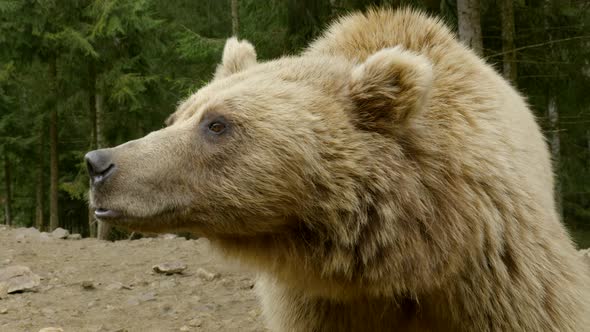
(387, 179)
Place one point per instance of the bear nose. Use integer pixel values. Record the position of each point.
(99, 165)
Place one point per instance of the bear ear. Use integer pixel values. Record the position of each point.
(237, 56)
(390, 88)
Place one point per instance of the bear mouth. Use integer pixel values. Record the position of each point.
(165, 220)
(102, 213)
(126, 221)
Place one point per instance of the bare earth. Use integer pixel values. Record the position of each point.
(91, 285)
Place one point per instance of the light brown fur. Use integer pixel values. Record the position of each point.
(385, 180)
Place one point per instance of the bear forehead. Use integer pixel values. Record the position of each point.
(276, 81)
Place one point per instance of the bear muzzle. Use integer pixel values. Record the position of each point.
(99, 165)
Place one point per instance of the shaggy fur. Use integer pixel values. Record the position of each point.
(385, 180)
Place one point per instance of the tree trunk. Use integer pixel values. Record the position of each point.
(553, 116)
(99, 104)
(555, 145)
(103, 230)
(95, 104)
(235, 17)
(469, 24)
(40, 191)
(54, 177)
(507, 16)
(7, 190)
(94, 134)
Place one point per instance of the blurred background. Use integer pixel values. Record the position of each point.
(76, 75)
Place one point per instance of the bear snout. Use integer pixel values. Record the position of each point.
(100, 166)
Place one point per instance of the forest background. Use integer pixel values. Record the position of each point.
(76, 75)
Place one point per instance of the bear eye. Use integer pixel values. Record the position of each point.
(217, 127)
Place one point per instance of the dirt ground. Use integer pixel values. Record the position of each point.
(101, 286)
(91, 285)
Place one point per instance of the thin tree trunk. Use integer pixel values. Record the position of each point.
(235, 17)
(7, 190)
(507, 16)
(555, 144)
(553, 116)
(40, 197)
(99, 104)
(54, 177)
(469, 24)
(93, 138)
(96, 101)
(103, 230)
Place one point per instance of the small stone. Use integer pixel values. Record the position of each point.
(18, 279)
(169, 268)
(74, 237)
(196, 322)
(206, 275)
(21, 233)
(3, 311)
(185, 328)
(60, 233)
(88, 284)
(246, 284)
(51, 329)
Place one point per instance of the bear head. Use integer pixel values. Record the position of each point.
(263, 146)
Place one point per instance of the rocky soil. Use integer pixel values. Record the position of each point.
(151, 284)
(60, 282)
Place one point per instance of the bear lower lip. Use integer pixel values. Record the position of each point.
(106, 213)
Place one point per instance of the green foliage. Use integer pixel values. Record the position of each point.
(73, 40)
(194, 47)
